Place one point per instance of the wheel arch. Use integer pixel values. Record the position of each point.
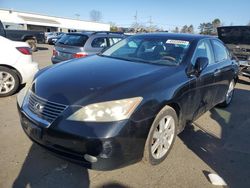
(176, 106)
(28, 37)
(15, 70)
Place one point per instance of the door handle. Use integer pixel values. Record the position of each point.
(217, 72)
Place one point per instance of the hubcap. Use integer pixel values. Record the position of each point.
(163, 137)
(7, 82)
(230, 90)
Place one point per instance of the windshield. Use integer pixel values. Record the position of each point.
(157, 50)
(73, 40)
(235, 35)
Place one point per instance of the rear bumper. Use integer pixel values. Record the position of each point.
(27, 71)
(54, 60)
(123, 144)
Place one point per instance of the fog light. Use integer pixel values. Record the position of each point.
(90, 158)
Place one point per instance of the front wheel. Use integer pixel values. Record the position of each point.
(9, 82)
(161, 136)
(229, 95)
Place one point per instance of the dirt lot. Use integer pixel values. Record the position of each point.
(219, 142)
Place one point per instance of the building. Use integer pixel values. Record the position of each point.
(31, 21)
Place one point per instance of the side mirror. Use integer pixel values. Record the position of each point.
(200, 64)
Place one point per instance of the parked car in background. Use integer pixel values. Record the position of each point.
(53, 40)
(110, 110)
(49, 35)
(16, 65)
(237, 39)
(77, 45)
(31, 37)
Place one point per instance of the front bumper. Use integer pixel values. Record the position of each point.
(114, 145)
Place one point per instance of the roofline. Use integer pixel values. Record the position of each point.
(6, 9)
(187, 35)
(235, 26)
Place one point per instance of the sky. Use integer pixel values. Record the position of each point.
(166, 14)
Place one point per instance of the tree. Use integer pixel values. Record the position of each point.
(216, 23)
(95, 15)
(137, 27)
(190, 29)
(152, 28)
(202, 27)
(176, 30)
(206, 28)
(113, 27)
(184, 29)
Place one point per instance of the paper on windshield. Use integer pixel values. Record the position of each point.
(178, 42)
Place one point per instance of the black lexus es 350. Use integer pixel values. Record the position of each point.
(129, 102)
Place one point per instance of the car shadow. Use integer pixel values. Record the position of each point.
(244, 81)
(227, 153)
(42, 169)
(42, 48)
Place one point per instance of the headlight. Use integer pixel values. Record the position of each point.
(107, 111)
(21, 95)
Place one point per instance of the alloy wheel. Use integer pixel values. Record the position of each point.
(230, 90)
(7, 82)
(163, 137)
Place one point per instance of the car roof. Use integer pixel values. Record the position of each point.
(90, 33)
(180, 36)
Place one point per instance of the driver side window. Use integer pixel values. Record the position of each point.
(203, 49)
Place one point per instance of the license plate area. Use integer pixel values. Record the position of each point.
(64, 55)
(32, 130)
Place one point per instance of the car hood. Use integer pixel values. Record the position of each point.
(69, 82)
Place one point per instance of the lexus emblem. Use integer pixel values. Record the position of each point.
(38, 107)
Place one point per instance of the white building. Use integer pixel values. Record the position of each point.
(31, 21)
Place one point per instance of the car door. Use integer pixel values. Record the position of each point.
(224, 71)
(113, 40)
(97, 45)
(202, 87)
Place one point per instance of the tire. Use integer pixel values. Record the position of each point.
(229, 95)
(151, 153)
(9, 82)
(32, 44)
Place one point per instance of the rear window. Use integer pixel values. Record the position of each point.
(73, 40)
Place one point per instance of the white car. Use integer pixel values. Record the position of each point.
(16, 65)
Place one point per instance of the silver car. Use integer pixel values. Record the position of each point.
(78, 45)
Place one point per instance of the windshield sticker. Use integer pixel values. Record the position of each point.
(178, 42)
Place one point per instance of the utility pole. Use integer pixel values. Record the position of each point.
(150, 24)
(136, 21)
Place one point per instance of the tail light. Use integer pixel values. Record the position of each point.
(24, 50)
(80, 55)
(55, 53)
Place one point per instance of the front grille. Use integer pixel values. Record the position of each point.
(43, 108)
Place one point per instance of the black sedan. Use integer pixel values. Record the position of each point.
(127, 104)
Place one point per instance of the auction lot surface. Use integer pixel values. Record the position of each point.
(218, 142)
